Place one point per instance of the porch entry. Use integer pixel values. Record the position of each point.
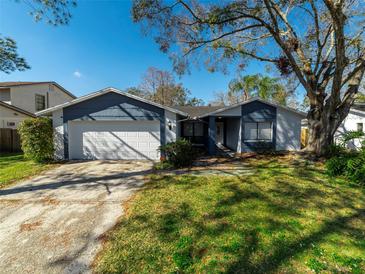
(220, 133)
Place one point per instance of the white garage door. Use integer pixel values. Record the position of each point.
(114, 140)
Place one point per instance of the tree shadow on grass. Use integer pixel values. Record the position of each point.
(281, 253)
(255, 220)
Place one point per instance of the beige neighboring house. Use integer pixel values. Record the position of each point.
(11, 116)
(20, 100)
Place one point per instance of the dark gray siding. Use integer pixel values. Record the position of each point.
(258, 112)
(112, 106)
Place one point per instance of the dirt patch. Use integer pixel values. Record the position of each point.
(29, 226)
(50, 201)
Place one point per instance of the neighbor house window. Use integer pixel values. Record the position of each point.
(40, 102)
(360, 127)
(261, 131)
(5, 95)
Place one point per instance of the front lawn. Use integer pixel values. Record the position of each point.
(285, 217)
(14, 167)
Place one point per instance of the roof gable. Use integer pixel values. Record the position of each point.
(104, 91)
(19, 83)
(274, 104)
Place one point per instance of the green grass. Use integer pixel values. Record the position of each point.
(286, 217)
(14, 167)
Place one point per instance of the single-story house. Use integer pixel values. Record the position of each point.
(111, 124)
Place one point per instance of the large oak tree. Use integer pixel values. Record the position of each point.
(320, 42)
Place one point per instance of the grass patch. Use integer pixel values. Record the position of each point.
(288, 216)
(14, 167)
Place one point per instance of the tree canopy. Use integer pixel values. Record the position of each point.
(160, 86)
(321, 42)
(245, 87)
(54, 12)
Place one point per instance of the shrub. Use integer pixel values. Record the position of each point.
(36, 136)
(350, 165)
(335, 150)
(336, 165)
(180, 153)
(355, 168)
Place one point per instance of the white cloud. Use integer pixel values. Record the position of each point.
(77, 74)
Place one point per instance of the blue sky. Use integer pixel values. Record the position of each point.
(100, 47)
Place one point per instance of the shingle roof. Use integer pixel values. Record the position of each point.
(197, 111)
(22, 83)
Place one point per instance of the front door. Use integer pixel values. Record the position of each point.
(220, 132)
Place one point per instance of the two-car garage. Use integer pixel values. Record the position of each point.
(114, 139)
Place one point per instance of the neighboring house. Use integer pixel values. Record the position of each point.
(355, 121)
(11, 116)
(30, 97)
(110, 124)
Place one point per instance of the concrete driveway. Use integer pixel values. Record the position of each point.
(53, 223)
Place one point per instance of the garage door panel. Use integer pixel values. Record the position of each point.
(114, 140)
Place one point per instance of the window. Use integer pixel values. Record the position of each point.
(40, 102)
(360, 127)
(264, 131)
(193, 129)
(188, 129)
(261, 131)
(250, 131)
(198, 129)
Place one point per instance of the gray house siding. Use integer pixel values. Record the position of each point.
(112, 106)
(258, 112)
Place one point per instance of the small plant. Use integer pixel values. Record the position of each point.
(163, 165)
(316, 265)
(183, 254)
(180, 153)
(351, 135)
(336, 165)
(36, 136)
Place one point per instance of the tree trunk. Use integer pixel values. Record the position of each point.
(320, 137)
(323, 122)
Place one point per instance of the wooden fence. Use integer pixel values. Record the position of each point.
(304, 137)
(9, 140)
